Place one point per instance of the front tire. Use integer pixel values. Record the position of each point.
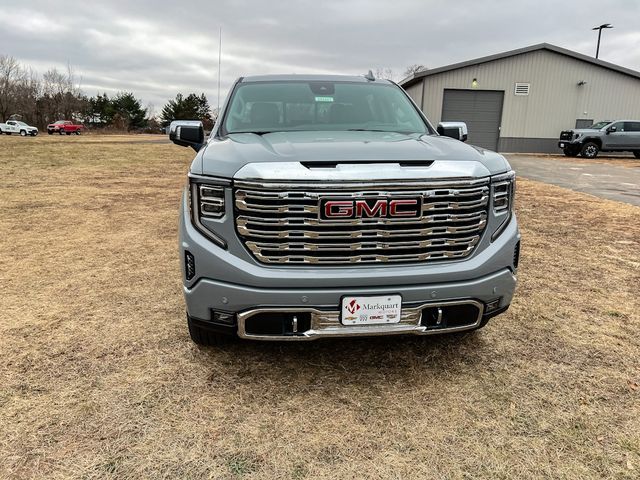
(636, 154)
(571, 151)
(590, 150)
(61, 132)
(204, 336)
(77, 132)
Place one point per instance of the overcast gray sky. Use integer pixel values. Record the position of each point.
(158, 48)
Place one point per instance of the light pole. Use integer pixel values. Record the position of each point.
(604, 25)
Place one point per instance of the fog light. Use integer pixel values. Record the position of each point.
(492, 305)
(224, 317)
(189, 265)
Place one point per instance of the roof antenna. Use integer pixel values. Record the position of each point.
(369, 76)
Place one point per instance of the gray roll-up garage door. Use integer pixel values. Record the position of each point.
(481, 110)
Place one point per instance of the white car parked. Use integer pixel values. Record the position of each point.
(21, 128)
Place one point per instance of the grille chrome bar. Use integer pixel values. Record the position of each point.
(369, 258)
(245, 220)
(295, 234)
(244, 193)
(313, 209)
(340, 247)
(281, 224)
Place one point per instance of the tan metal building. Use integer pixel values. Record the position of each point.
(520, 101)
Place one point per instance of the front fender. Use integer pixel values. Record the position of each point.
(596, 140)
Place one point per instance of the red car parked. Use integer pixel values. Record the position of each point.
(64, 126)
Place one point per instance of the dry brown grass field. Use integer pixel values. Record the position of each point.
(98, 378)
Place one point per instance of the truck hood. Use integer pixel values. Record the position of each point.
(227, 156)
(583, 131)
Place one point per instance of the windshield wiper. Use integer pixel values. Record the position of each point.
(377, 130)
(258, 132)
(264, 132)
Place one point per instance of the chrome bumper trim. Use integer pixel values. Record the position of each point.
(327, 324)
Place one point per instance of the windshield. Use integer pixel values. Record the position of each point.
(599, 125)
(263, 107)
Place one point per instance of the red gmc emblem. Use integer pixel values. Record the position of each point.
(346, 209)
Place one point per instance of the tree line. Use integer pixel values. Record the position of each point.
(56, 95)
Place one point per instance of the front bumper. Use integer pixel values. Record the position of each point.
(321, 306)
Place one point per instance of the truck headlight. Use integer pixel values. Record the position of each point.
(207, 205)
(211, 201)
(503, 189)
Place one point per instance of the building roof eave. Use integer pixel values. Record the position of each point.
(412, 79)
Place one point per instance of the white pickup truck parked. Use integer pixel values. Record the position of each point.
(15, 126)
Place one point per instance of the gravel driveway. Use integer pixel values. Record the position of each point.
(615, 182)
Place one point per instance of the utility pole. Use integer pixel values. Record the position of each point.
(604, 25)
(219, 64)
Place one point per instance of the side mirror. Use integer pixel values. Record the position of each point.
(187, 133)
(457, 130)
(611, 129)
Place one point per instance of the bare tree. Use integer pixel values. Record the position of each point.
(27, 94)
(11, 75)
(61, 95)
(414, 68)
(384, 72)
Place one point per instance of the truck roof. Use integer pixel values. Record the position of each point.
(310, 78)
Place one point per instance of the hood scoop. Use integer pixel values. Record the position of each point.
(337, 164)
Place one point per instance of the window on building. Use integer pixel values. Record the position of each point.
(584, 122)
(522, 89)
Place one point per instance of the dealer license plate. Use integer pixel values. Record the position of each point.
(370, 310)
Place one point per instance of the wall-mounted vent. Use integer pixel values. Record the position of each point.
(522, 88)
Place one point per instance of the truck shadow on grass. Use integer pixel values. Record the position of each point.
(338, 362)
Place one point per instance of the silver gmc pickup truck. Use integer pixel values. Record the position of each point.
(329, 206)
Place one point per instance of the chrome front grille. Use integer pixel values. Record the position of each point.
(281, 224)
